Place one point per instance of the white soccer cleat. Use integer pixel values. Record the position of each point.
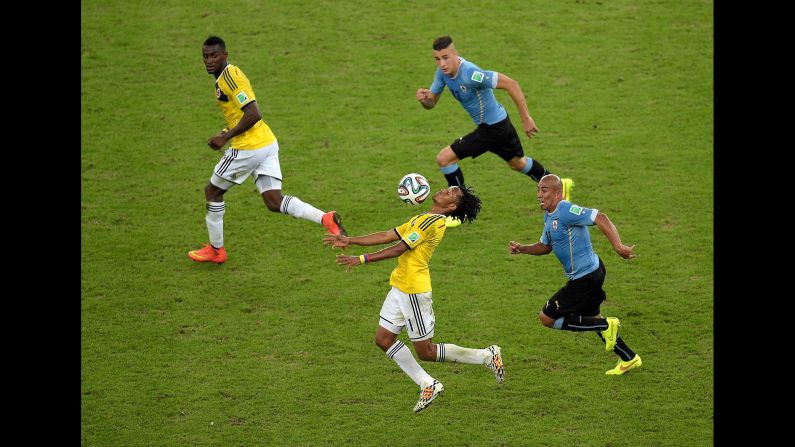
(495, 363)
(428, 394)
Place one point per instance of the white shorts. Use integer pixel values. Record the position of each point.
(236, 165)
(414, 311)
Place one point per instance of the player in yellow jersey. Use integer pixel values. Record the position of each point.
(253, 150)
(408, 304)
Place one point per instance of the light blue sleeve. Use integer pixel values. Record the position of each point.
(478, 77)
(575, 215)
(437, 86)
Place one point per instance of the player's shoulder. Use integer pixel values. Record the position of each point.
(567, 210)
(429, 221)
(471, 73)
(233, 76)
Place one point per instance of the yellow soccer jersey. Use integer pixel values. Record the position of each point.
(422, 234)
(233, 91)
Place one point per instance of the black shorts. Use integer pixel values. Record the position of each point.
(581, 296)
(500, 138)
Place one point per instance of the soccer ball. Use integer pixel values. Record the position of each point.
(413, 188)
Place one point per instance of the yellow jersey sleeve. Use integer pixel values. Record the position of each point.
(235, 85)
(234, 92)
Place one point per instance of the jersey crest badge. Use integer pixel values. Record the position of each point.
(477, 76)
(242, 97)
(555, 224)
(575, 210)
(463, 89)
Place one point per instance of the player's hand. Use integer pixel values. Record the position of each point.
(349, 261)
(422, 94)
(514, 248)
(336, 240)
(530, 127)
(218, 141)
(626, 252)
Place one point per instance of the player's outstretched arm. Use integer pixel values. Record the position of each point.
(392, 251)
(606, 226)
(340, 241)
(536, 249)
(513, 89)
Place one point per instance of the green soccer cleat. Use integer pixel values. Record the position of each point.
(611, 333)
(623, 366)
(568, 185)
(451, 222)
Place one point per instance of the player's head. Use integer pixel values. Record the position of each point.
(459, 202)
(549, 192)
(214, 53)
(446, 55)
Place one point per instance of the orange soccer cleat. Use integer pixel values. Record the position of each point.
(208, 253)
(333, 223)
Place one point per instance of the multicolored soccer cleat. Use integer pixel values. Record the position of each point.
(208, 253)
(623, 366)
(495, 363)
(428, 394)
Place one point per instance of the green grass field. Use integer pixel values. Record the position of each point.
(275, 347)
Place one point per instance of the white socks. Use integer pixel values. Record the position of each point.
(295, 207)
(215, 223)
(447, 352)
(402, 356)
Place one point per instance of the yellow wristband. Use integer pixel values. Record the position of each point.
(361, 259)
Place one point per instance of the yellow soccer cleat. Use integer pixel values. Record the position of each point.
(451, 222)
(623, 367)
(568, 185)
(611, 333)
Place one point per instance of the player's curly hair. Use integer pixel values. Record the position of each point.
(468, 207)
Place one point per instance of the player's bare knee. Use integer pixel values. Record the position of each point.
(426, 352)
(213, 193)
(545, 320)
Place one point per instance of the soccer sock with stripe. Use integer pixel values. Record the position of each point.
(403, 357)
(453, 175)
(534, 169)
(295, 207)
(579, 323)
(447, 352)
(621, 349)
(215, 223)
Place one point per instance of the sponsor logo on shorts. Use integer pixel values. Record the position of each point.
(575, 210)
(242, 97)
(477, 76)
(413, 237)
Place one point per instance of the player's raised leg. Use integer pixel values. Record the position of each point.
(270, 189)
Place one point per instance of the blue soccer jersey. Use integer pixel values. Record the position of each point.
(473, 88)
(566, 230)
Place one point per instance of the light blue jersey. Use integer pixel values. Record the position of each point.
(566, 230)
(473, 88)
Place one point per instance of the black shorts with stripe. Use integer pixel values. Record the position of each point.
(581, 296)
(500, 138)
